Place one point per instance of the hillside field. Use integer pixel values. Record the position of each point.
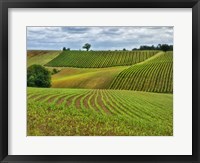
(40, 57)
(97, 78)
(153, 75)
(54, 111)
(99, 59)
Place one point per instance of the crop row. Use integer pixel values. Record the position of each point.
(89, 112)
(99, 59)
(156, 75)
(137, 105)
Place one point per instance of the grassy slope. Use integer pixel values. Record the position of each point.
(153, 75)
(98, 112)
(99, 59)
(85, 77)
(40, 57)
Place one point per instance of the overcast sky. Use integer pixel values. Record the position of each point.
(101, 38)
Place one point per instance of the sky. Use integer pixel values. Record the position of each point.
(100, 38)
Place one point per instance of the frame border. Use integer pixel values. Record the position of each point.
(6, 4)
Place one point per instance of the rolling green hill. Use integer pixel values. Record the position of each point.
(96, 78)
(99, 59)
(153, 75)
(55, 111)
(40, 57)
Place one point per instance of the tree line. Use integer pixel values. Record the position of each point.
(163, 47)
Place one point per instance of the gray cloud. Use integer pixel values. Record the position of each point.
(101, 38)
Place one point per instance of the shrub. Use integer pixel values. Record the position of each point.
(54, 71)
(38, 76)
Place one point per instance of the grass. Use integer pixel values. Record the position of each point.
(153, 75)
(99, 59)
(55, 111)
(85, 77)
(40, 57)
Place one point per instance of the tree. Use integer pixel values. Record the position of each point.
(64, 49)
(86, 46)
(38, 76)
(165, 47)
(124, 49)
(171, 47)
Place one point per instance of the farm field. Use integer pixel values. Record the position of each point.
(153, 75)
(96, 78)
(103, 99)
(99, 59)
(40, 57)
(59, 111)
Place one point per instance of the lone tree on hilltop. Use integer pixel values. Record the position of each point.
(38, 76)
(86, 46)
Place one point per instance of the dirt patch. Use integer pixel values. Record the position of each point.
(60, 100)
(69, 100)
(100, 102)
(85, 101)
(92, 101)
(78, 101)
(108, 102)
(52, 98)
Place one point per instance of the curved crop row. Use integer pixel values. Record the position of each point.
(98, 112)
(154, 75)
(109, 102)
(99, 59)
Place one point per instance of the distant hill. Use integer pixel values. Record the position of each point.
(40, 57)
(99, 59)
